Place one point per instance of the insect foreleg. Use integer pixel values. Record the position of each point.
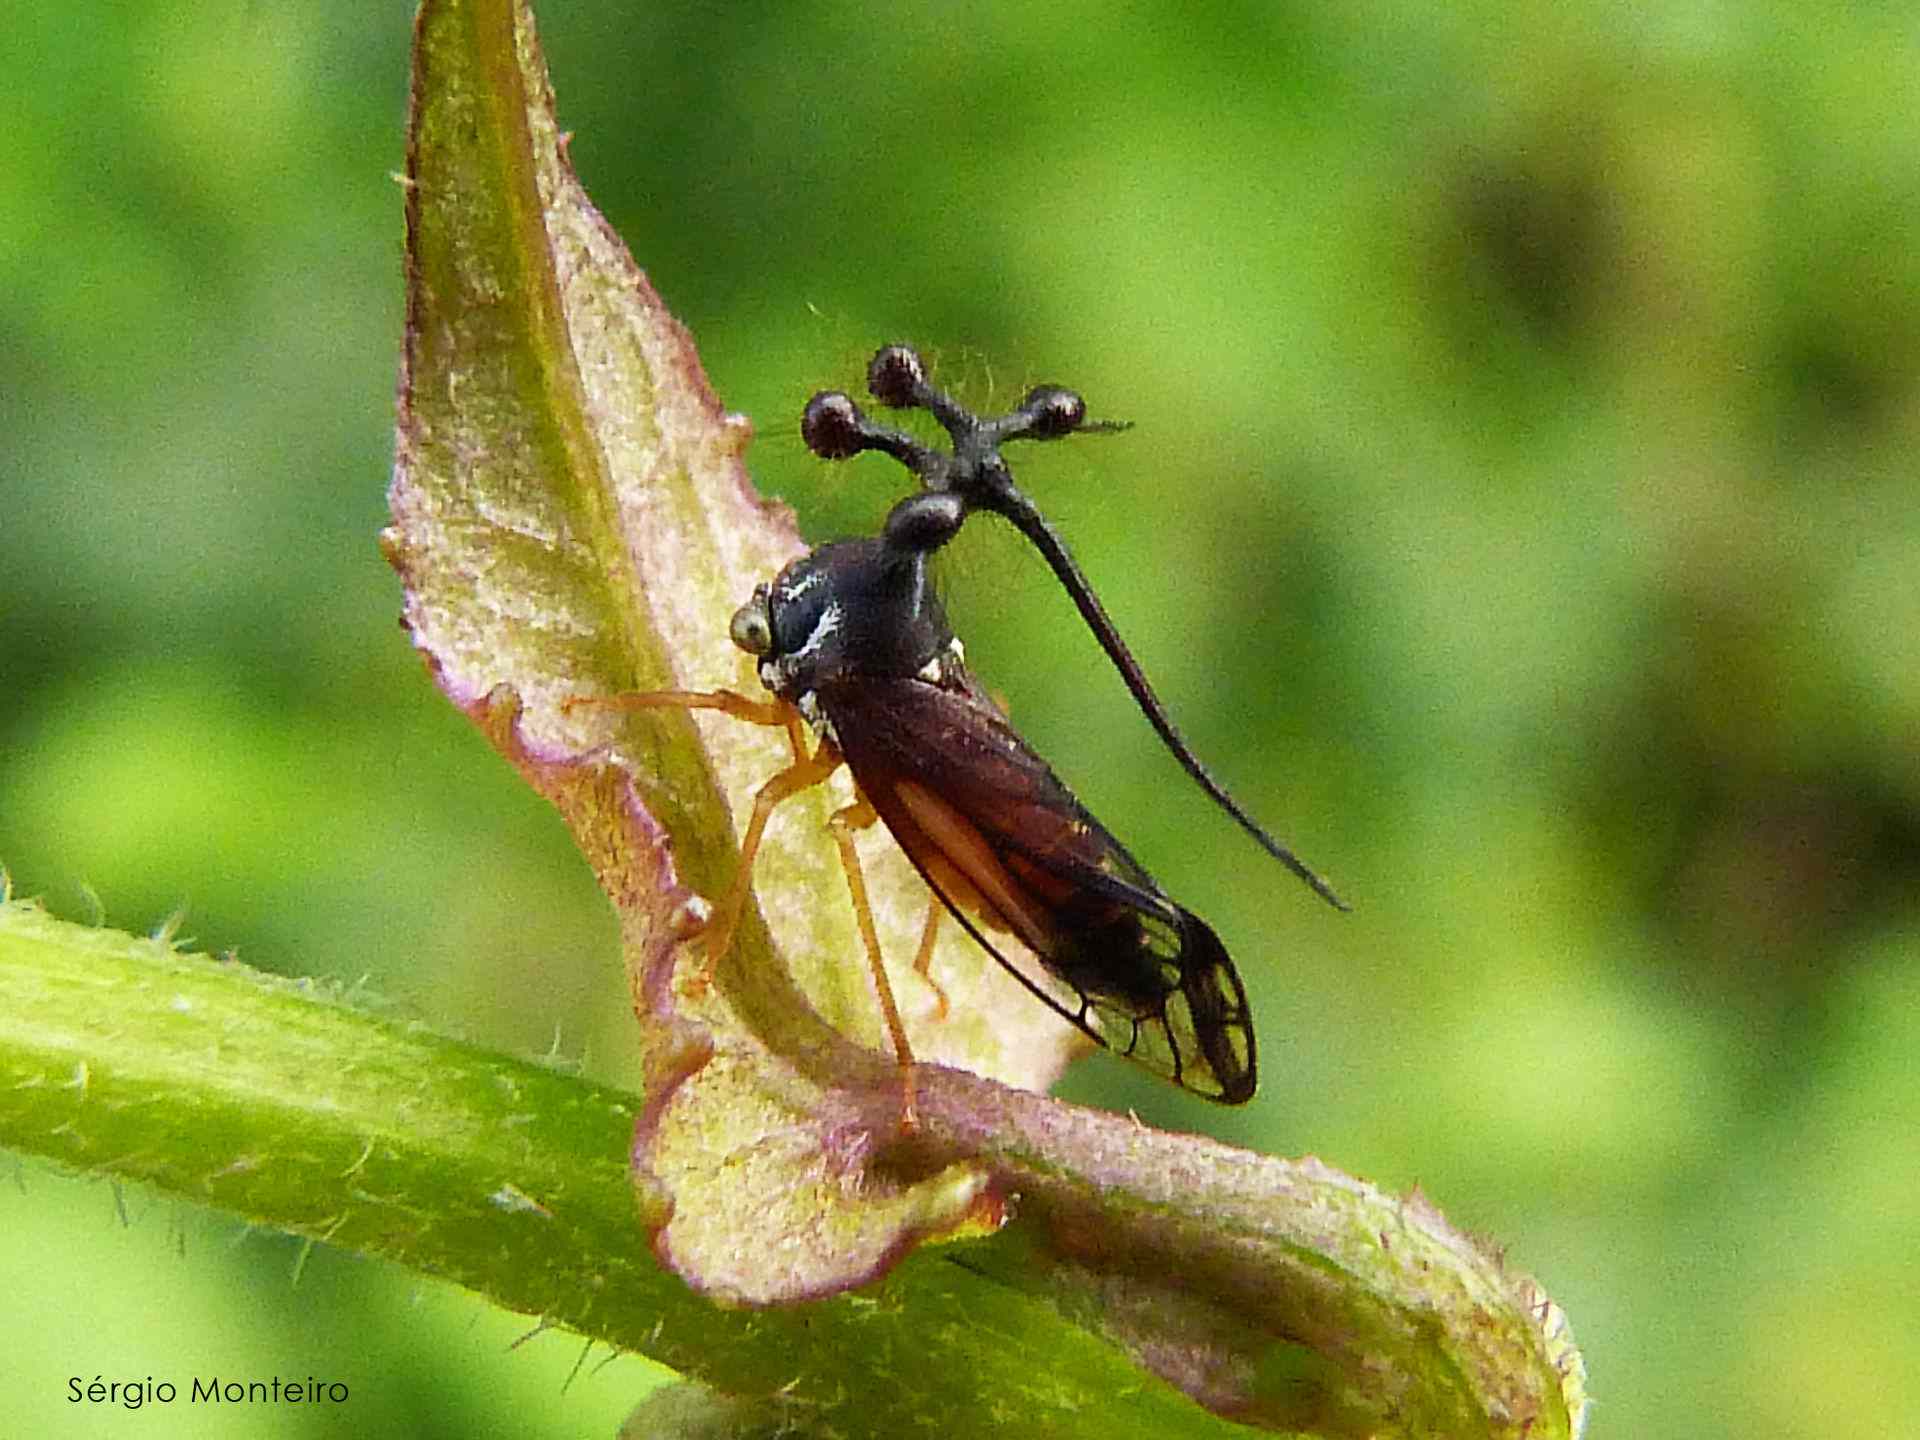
(805, 770)
(774, 714)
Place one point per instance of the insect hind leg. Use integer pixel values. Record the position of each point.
(923, 961)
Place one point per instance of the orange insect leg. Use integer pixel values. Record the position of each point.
(858, 816)
(805, 772)
(923, 962)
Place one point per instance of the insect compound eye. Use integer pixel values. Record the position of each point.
(1052, 412)
(752, 627)
(832, 426)
(895, 376)
(925, 521)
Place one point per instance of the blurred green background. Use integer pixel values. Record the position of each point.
(1520, 515)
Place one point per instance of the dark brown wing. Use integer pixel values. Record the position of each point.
(1009, 849)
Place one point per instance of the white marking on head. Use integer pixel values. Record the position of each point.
(826, 625)
(794, 589)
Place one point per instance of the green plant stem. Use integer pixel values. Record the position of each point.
(286, 1106)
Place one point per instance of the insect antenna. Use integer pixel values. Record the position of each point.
(835, 428)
